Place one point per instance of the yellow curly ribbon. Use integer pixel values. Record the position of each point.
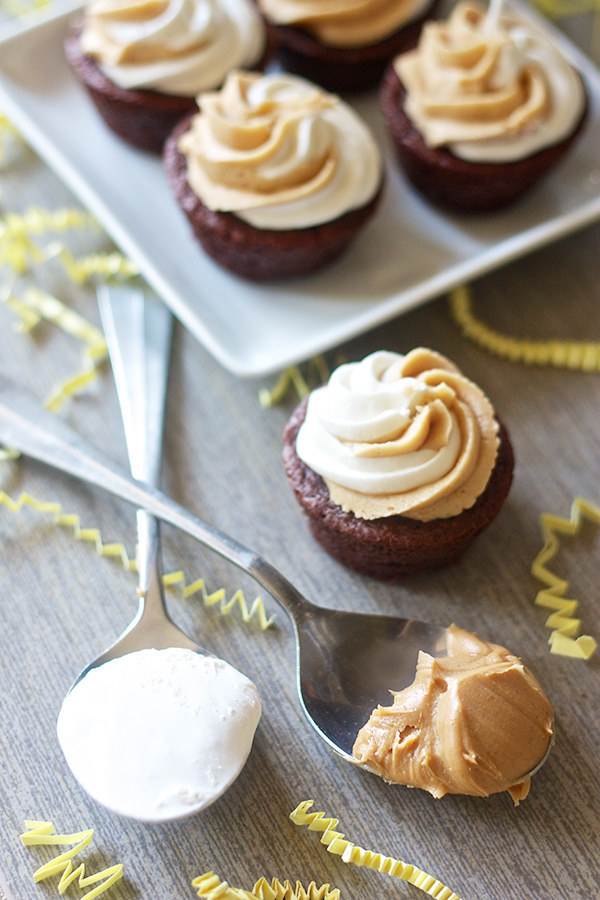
(19, 250)
(20, 9)
(564, 640)
(277, 890)
(250, 614)
(583, 356)
(211, 887)
(36, 305)
(7, 131)
(292, 379)
(237, 601)
(558, 9)
(95, 265)
(40, 833)
(336, 843)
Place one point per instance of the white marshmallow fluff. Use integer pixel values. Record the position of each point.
(159, 734)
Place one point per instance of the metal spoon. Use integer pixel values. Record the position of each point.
(138, 331)
(346, 662)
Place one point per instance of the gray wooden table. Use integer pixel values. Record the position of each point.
(60, 604)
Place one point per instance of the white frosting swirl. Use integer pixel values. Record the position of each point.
(280, 153)
(178, 47)
(400, 435)
(366, 402)
(490, 94)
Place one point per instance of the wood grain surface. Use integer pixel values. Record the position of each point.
(60, 605)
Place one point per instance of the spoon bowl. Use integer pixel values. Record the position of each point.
(349, 662)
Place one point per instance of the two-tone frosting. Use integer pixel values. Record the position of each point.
(400, 435)
(490, 92)
(279, 153)
(475, 722)
(158, 734)
(178, 47)
(345, 23)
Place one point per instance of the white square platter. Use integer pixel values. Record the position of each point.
(408, 254)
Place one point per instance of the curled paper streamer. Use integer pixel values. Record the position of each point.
(7, 131)
(277, 890)
(337, 844)
(40, 833)
(19, 250)
(250, 614)
(255, 612)
(558, 9)
(583, 356)
(36, 305)
(20, 9)
(292, 379)
(211, 887)
(564, 640)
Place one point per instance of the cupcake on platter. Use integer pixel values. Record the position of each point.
(399, 462)
(275, 176)
(344, 45)
(479, 112)
(144, 61)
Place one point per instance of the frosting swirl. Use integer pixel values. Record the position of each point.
(280, 153)
(345, 23)
(489, 93)
(177, 47)
(400, 435)
(473, 722)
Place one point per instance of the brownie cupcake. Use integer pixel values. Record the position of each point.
(275, 176)
(480, 113)
(144, 61)
(399, 463)
(344, 46)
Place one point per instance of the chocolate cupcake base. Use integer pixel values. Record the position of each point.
(455, 183)
(255, 253)
(395, 546)
(142, 118)
(343, 69)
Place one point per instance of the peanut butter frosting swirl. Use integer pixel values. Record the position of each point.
(489, 92)
(345, 23)
(177, 47)
(400, 435)
(475, 722)
(279, 152)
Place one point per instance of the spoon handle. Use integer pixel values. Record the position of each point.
(138, 330)
(27, 427)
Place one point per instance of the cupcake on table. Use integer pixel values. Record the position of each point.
(275, 176)
(482, 109)
(344, 45)
(399, 462)
(144, 61)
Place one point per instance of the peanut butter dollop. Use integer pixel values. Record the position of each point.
(473, 722)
